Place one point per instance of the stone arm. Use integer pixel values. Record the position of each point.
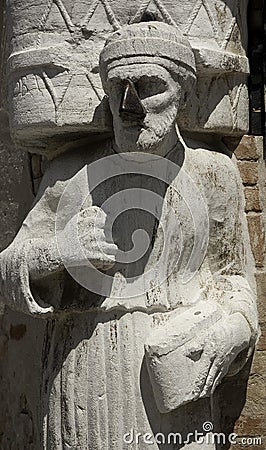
(33, 256)
(32, 268)
(215, 337)
(229, 259)
(230, 283)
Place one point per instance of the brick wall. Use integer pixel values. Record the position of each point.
(252, 167)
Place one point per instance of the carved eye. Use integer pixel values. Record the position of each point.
(148, 86)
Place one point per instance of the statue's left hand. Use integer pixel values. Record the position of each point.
(218, 347)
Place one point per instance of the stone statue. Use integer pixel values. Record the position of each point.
(136, 343)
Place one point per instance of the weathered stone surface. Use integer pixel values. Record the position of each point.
(257, 236)
(54, 54)
(261, 346)
(21, 338)
(94, 360)
(252, 199)
(21, 368)
(249, 172)
(16, 195)
(252, 421)
(261, 288)
(250, 425)
(247, 148)
(258, 366)
(91, 368)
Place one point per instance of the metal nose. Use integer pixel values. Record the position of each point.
(131, 107)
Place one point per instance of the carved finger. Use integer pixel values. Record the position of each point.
(216, 373)
(39, 311)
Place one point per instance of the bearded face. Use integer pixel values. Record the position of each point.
(144, 100)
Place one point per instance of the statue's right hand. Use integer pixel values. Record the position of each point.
(93, 241)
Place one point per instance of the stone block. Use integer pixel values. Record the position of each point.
(250, 425)
(258, 365)
(261, 291)
(249, 172)
(261, 345)
(256, 391)
(246, 148)
(257, 237)
(252, 199)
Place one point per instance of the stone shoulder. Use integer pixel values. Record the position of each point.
(217, 169)
(67, 165)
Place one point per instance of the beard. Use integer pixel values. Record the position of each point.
(145, 137)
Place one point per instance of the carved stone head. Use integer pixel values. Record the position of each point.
(147, 71)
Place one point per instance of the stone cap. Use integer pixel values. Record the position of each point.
(165, 43)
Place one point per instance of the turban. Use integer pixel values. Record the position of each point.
(150, 43)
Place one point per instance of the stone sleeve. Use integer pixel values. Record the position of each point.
(229, 258)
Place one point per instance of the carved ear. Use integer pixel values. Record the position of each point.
(131, 106)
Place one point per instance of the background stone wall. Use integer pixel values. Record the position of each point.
(252, 167)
